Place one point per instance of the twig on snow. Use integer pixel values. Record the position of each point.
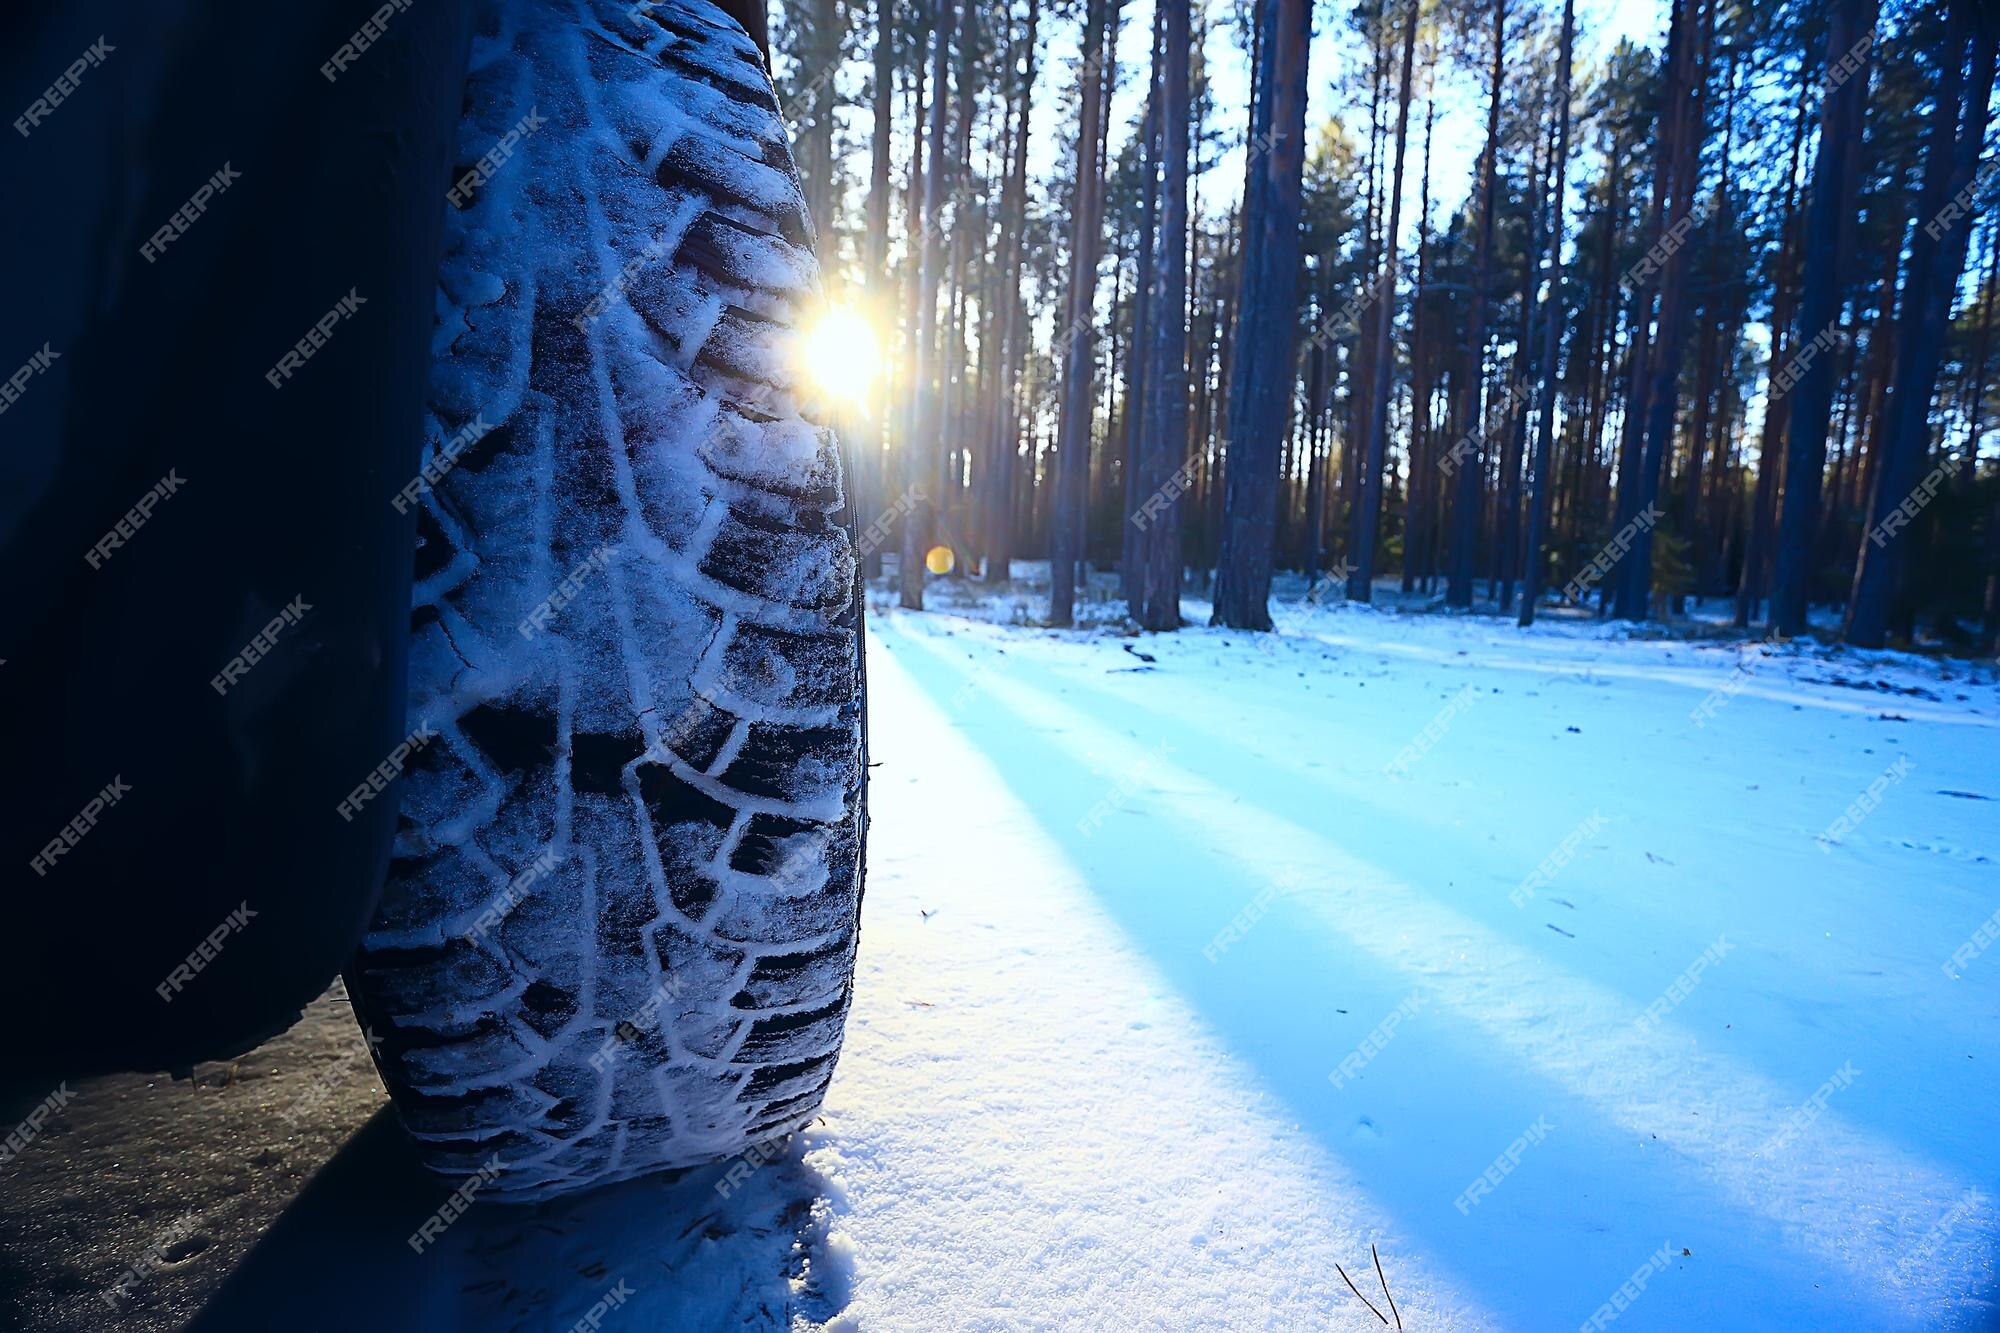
(1385, 1286)
(1357, 1292)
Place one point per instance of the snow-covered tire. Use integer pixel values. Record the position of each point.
(619, 930)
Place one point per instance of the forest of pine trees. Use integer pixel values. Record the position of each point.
(1710, 316)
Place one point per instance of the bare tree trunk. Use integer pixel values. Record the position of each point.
(1000, 526)
(868, 497)
(918, 453)
(1681, 135)
(1468, 470)
(1214, 483)
(1361, 360)
(1645, 295)
(1166, 440)
(1604, 364)
(1132, 540)
(1832, 197)
(1544, 484)
(1507, 530)
(1078, 335)
(1265, 326)
(1975, 397)
(1420, 523)
(1319, 373)
(1937, 261)
(1114, 25)
(1368, 488)
(1708, 465)
(954, 373)
(1975, 405)
(910, 273)
(1777, 408)
(819, 58)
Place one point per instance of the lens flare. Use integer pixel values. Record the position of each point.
(842, 354)
(939, 560)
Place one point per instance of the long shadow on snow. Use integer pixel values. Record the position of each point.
(1428, 854)
(1434, 1108)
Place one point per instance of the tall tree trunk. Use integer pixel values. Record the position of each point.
(1507, 528)
(1632, 484)
(1832, 197)
(918, 454)
(1777, 408)
(819, 58)
(1368, 488)
(1266, 325)
(1361, 360)
(1975, 406)
(1214, 480)
(1078, 336)
(1682, 117)
(1420, 524)
(1165, 442)
(1468, 471)
(911, 271)
(1132, 541)
(1544, 484)
(954, 372)
(1000, 529)
(869, 498)
(1937, 261)
(1098, 463)
(1604, 365)
(1875, 375)
(1708, 328)
(1709, 475)
(988, 422)
(1319, 373)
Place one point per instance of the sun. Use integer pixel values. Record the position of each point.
(842, 354)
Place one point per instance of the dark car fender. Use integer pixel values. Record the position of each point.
(219, 232)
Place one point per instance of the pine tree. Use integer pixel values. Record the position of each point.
(1260, 392)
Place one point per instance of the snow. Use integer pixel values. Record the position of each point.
(1071, 1094)
(1515, 955)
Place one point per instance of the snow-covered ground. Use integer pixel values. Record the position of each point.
(1239, 960)
(1549, 964)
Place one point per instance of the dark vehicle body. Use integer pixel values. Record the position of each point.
(220, 225)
